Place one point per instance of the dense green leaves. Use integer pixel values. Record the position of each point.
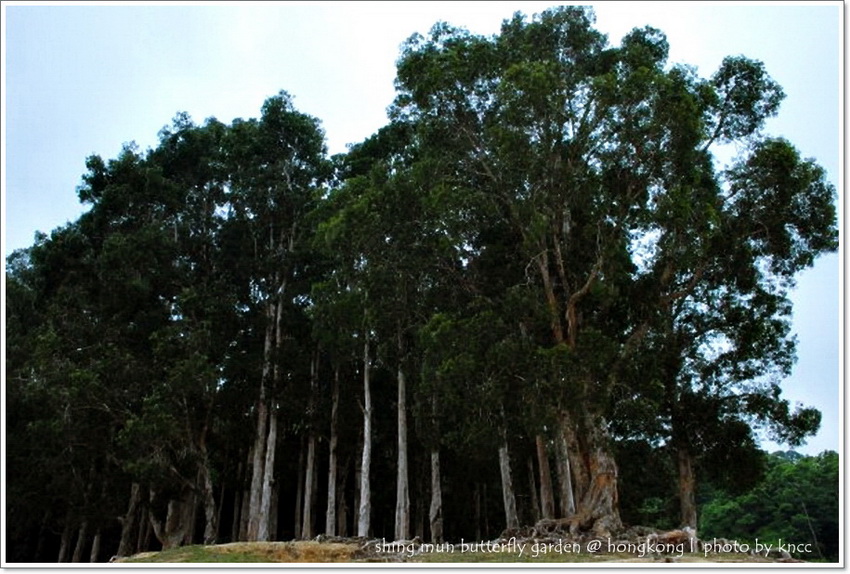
(539, 239)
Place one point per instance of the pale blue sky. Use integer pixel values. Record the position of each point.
(83, 80)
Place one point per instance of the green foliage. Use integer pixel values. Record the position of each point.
(796, 502)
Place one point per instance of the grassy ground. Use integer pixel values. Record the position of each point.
(253, 552)
(328, 552)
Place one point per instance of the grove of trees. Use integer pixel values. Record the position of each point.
(534, 293)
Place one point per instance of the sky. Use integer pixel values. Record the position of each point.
(85, 79)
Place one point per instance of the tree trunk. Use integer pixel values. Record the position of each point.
(145, 530)
(237, 507)
(342, 500)
(567, 504)
(263, 534)
(511, 519)
(687, 487)
(95, 547)
(258, 474)
(65, 541)
(82, 539)
(402, 508)
(273, 513)
(477, 496)
(210, 514)
(598, 510)
(309, 491)
(180, 513)
(129, 524)
(578, 468)
(330, 513)
(299, 490)
(365, 510)
(309, 485)
(547, 496)
(435, 514)
(255, 493)
(532, 482)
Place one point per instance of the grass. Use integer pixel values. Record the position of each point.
(330, 552)
(253, 552)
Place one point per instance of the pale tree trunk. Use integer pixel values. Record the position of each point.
(511, 519)
(309, 491)
(65, 541)
(210, 514)
(567, 504)
(259, 451)
(95, 547)
(435, 514)
(687, 487)
(365, 507)
(532, 482)
(263, 534)
(402, 508)
(547, 496)
(129, 522)
(330, 513)
(260, 474)
(299, 490)
(579, 471)
(309, 488)
(82, 538)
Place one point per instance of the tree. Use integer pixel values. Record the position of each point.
(796, 503)
(599, 158)
(276, 166)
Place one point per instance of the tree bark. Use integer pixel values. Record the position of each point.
(342, 500)
(309, 491)
(547, 496)
(299, 490)
(567, 504)
(511, 519)
(330, 513)
(263, 533)
(402, 508)
(532, 483)
(129, 523)
(210, 514)
(172, 532)
(687, 487)
(65, 541)
(255, 493)
(598, 509)
(435, 514)
(477, 496)
(95, 547)
(309, 486)
(82, 539)
(145, 530)
(578, 468)
(365, 507)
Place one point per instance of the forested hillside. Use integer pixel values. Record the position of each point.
(533, 294)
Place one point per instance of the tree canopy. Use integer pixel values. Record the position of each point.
(538, 259)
